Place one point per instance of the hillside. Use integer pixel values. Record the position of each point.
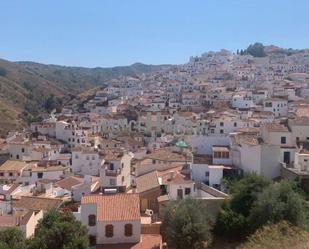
(28, 89)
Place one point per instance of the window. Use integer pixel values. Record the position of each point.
(225, 154)
(91, 220)
(235, 124)
(17, 156)
(76, 156)
(268, 104)
(112, 182)
(10, 174)
(22, 150)
(153, 161)
(221, 124)
(87, 158)
(283, 140)
(40, 175)
(1, 174)
(187, 191)
(217, 154)
(128, 230)
(122, 164)
(109, 231)
(207, 173)
(221, 131)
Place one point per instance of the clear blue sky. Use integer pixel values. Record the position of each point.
(121, 32)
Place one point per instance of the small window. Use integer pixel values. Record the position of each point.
(235, 124)
(187, 191)
(207, 173)
(22, 150)
(221, 131)
(153, 161)
(283, 140)
(112, 182)
(109, 231)
(17, 156)
(10, 174)
(128, 230)
(221, 124)
(1, 174)
(91, 220)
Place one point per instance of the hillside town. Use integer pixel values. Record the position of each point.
(119, 157)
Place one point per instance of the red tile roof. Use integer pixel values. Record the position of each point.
(148, 241)
(117, 207)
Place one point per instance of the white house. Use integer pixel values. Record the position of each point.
(116, 171)
(277, 106)
(111, 219)
(86, 161)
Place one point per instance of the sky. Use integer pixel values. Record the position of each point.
(107, 33)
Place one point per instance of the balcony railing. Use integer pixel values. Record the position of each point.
(112, 172)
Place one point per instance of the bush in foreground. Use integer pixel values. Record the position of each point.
(186, 224)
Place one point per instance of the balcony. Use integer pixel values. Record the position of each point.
(112, 172)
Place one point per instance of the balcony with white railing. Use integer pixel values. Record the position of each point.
(112, 172)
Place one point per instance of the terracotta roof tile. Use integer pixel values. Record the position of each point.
(37, 203)
(147, 182)
(115, 207)
(148, 241)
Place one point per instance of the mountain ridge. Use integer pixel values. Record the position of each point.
(30, 88)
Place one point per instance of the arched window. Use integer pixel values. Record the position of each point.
(91, 220)
(128, 230)
(109, 231)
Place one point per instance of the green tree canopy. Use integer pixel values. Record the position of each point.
(186, 224)
(233, 217)
(277, 202)
(256, 50)
(245, 192)
(12, 238)
(61, 231)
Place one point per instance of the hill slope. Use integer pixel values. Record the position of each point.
(28, 88)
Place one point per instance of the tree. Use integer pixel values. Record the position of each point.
(277, 236)
(12, 238)
(186, 224)
(233, 217)
(245, 192)
(61, 231)
(3, 72)
(277, 202)
(256, 50)
(50, 103)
